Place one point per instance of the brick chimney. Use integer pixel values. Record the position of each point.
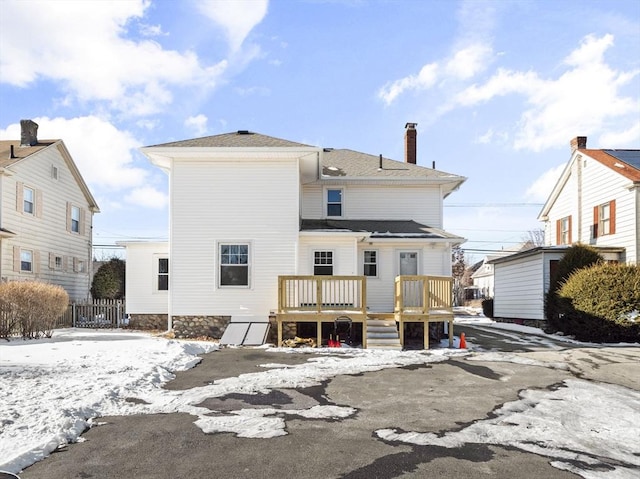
(29, 133)
(578, 143)
(410, 143)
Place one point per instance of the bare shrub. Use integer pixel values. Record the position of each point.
(32, 307)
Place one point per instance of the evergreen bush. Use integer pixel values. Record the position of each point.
(31, 307)
(487, 307)
(109, 280)
(576, 257)
(602, 303)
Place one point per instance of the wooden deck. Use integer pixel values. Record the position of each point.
(323, 299)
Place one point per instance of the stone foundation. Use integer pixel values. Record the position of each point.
(148, 321)
(197, 326)
(534, 323)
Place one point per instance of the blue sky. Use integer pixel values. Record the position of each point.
(498, 89)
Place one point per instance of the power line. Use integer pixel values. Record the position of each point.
(494, 205)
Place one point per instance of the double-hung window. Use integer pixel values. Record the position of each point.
(26, 261)
(334, 202)
(370, 265)
(604, 219)
(234, 264)
(163, 274)
(563, 231)
(75, 219)
(323, 263)
(28, 200)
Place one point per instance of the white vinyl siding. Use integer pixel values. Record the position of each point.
(46, 231)
(600, 185)
(142, 269)
(422, 204)
(234, 213)
(519, 291)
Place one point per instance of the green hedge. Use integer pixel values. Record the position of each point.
(601, 303)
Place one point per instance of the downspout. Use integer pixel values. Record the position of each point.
(579, 179)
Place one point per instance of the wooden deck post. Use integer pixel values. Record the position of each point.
(319, 334)
(279, 333)
(451, 333)
(426, 334)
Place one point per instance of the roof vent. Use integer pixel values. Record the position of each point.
(244, 132)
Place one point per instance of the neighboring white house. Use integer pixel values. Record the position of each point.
(46, 214)
(483, 277)
(596, 201)
(246, 208)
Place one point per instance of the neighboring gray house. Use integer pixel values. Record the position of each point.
(596, 201)
(46, 214)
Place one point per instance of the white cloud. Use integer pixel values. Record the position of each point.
(237, 18)
(628, 138)
(582, 100)
(84, 46)
(197, 123)
(101, 151)
(469, 61)
(541, 188)
(425, 79)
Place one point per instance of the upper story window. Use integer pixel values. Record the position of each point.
(28, 200)
(163, 274)
(323, 263)
(604, 219)
(26, 261)
(75, 219)
(334, 202)
(563, 231)
(370, 263)
(234, 264)
(54, 172)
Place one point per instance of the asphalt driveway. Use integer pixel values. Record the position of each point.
(436, 397)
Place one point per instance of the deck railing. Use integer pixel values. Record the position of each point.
(321, 294)
(423, 294)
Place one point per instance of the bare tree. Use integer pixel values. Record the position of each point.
(458, 268)
(535, 237)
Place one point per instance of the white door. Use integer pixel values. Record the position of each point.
(408, 263)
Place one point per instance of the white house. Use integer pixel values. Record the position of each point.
(596, 201)
(248, 211)
(46, 214)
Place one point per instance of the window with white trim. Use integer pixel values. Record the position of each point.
(26, 261)
(323, 263)
(334, 202)
(370, 263)
(28, 200)
(163, 274)
(75, 219)
(234, 264)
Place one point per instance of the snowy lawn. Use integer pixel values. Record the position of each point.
(51, 390)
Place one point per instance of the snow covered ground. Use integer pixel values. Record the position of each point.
(52, 390)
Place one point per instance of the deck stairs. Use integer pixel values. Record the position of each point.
(383, 334)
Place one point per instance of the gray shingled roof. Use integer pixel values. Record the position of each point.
(377, 228)
(238, 139)
(343, 162)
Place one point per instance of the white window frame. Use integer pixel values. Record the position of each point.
(75, 221)
(327, 203)
(23, 261)
(604, 220)
(54, 172)
(564, 230)
(28, 192)
(375, 263)
(58, 262)
(328, 253)
(158, 273)
(220, 264)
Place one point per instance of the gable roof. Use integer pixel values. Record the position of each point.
(21, 153)
(339, 164)
(378, 228)
(624, 162)
(237, 139)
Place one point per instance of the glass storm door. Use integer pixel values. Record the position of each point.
(408, 263)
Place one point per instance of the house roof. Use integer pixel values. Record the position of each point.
(378, 228)
(623, 162)
(236, 139)
(21, 153)
(349, 163)
(550, 249)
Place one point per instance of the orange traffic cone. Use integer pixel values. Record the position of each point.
(463, 341)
